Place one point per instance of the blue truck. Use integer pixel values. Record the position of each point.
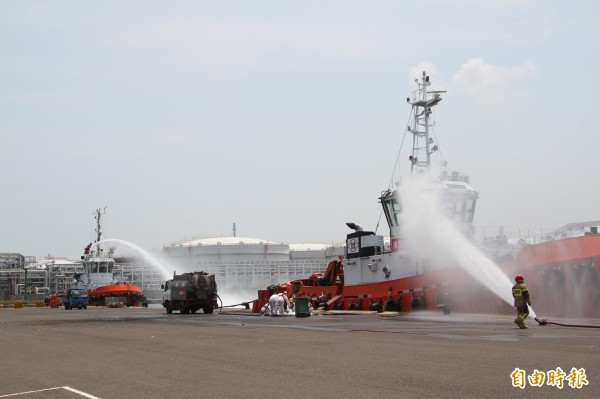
(76, 298)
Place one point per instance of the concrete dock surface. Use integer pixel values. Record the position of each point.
(146, 353)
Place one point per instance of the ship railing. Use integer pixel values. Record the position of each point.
(507, 235)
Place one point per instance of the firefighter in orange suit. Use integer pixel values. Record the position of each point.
(521, 295)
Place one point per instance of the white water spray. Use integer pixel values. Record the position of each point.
(229, 295)
(432, 235)
(150, 258)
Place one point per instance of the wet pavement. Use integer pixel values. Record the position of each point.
(146, 353)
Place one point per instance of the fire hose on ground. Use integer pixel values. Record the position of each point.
(244, 304)
(543, 322)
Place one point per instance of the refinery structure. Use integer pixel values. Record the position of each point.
(26, 276)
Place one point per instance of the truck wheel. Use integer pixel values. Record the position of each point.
(85, 307)
(193, 310)
(208, 309)
(169, 309)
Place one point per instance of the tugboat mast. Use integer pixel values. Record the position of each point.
(423, 145)
(99, 213)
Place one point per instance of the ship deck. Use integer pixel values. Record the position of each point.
(146, 353)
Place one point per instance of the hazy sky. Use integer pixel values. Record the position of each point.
(285, 117)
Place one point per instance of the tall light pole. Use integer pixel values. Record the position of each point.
(25, 284)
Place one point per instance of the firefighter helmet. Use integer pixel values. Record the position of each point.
(519, 278)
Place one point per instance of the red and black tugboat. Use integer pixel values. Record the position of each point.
(407, 273)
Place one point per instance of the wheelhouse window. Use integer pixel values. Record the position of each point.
(461, 206)
(391, 208)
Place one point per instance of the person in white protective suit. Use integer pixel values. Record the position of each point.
(284, 303)
(273, 305)
(279, 304)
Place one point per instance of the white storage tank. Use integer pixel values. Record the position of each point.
(229, 249)
(308, 251)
